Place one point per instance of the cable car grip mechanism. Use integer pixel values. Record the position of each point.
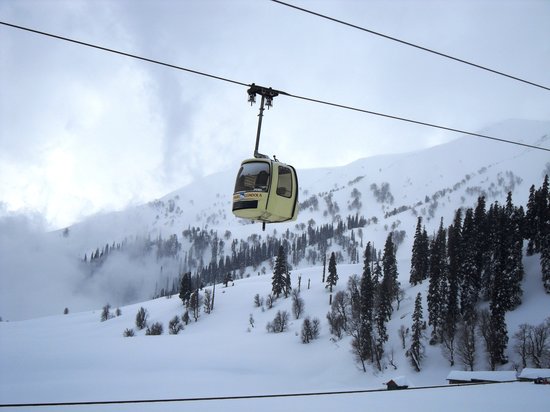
(267, 94)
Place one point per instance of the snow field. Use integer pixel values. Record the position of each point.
(76, 357)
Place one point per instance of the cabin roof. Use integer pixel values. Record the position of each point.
(399, 381)
(534, 373)
(487, 376)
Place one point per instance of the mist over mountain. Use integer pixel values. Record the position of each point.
(135, 254)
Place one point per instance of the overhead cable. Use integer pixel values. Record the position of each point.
(313, 100)
(416, 46)
(133, 56)
(418, 122)
(237, 397)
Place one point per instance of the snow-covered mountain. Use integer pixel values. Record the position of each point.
(229, 352)
(389, 192)
(432, 182)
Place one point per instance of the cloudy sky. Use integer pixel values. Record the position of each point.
(83, 131)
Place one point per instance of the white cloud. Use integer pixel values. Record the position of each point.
(84, 130)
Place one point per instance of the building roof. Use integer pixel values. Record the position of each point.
(399, 381)
(487, 376)
(534, 373)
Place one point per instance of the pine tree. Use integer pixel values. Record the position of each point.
(376, 272)
(544, 211)
(324, 265)
(332, 277)
(389, 268)
(380, 338)
(493, 326)
(529, 226)
(387, 291)
(469, 283)
(481, 244)
(514, 262)
(363, 333)
(506, 270)
(545, 263)
(537, 224)
(186, 288)
(436, 288)
(416, 351)
(288, 284)
(195, 304)
(450, 315)
(498, 337)
(384, 300)
(280, 271)
(419, 257)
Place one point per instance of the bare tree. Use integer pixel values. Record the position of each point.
(155, 329)
(341, 306)
(336, 324)
(466, 345)
(448, 345)
(128, 333)
(310, 330)
(403, 333)
(522, 340)
(106, 313)
(297, 303)
(175, 326)
(258, 301)
(207, 301)
(539, 344)
(195, 304)
(391, 359)
(400, 297)
(141, 318)
(279, 323)
(489, 328)
(185, 318)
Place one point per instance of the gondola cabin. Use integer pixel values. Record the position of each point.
(266, 190)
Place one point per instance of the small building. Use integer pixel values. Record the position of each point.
(400, 382)
(458, 377)
(533, 374)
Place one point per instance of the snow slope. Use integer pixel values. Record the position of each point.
(75, 357)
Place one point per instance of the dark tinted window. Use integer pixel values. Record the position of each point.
(253, 177)
(284, 185)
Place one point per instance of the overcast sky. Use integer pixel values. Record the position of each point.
(83, 131)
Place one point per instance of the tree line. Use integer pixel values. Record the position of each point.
(479, 258)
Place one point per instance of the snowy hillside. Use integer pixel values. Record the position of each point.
(75, 358)
(127, 257)
(388, 192)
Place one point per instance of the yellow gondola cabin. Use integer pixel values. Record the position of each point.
(266, 190)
